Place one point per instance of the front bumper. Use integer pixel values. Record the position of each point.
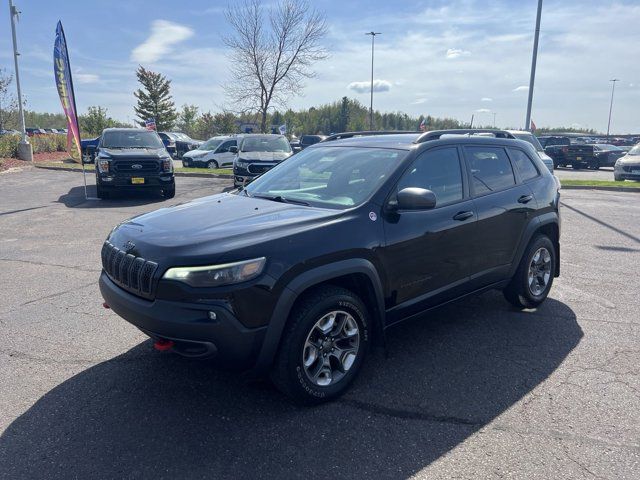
(627, 172)
(158, 180)
(209, 328)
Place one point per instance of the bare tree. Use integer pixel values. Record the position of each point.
(271, 57)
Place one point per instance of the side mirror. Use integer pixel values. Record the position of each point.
(414, 198)
(233, 149)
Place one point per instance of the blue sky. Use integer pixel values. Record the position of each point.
(444, 58)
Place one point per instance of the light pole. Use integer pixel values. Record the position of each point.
(613, 89)
(534, 59)
(494, 119)
(373, 38)
(24, 147)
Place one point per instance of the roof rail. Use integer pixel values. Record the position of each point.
(364, 133)
(436, 134)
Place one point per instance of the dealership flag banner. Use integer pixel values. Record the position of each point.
(64, 84)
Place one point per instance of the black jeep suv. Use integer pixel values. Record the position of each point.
(133, 158)
(298, 273)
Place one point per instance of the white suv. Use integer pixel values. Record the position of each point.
(214, 153)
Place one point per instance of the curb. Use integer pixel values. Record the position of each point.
(595, 187)
(177, 174)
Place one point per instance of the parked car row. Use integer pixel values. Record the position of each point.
(566, 153)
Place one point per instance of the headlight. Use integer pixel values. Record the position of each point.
(241, 164)
(217, 275)
(103, 163)
(167, 165)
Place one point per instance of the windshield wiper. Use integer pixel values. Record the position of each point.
(281, 199)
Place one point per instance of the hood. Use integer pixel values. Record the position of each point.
(214, 226)
(196, 153)
(630, 159)
(264, 156)
(148, 153)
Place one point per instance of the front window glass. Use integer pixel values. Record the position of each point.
(265, 144)
(210, 144)
(439, 171)
(131, 139)
(334, 177)
(490, 169)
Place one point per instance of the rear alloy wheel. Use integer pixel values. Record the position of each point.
(323, 346)
(532, 282)
(212, 164)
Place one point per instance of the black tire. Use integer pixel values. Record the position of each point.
(617, 178)
(212, 164)
(576, 166)
(186, 163)
(169, 192)
(288, 373)
(101, 192)
(518, 292)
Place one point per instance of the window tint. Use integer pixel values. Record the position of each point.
(524, 164)
(439, 171)
(490, 169)
(224, 148)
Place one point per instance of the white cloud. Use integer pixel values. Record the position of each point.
(164, 35)
(363, 87)
(456, 53)
(486, 99)
(86, 77)
(521, 88)
(483, 110)
(419, 101)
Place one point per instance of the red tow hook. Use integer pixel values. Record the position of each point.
(105, 305)
(162, 345)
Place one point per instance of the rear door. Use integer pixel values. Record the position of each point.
(427, 253)
(504, 206)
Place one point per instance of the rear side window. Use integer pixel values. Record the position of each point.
(490, 169)
(439, 171)
(524, 164)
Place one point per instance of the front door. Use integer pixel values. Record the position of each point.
(427, 253)
(223, 156)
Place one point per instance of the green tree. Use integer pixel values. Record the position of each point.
(8, 103)
(205, 126)
(343, 122)
(94, 121)
(225, 122)
(154, 99)
(187, 119)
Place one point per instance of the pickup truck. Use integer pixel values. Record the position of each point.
(556, 148)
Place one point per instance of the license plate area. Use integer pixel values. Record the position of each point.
(137, 180)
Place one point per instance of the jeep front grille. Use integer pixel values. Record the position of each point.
(134, 274)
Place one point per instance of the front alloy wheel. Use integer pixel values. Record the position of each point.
(323, 346)
(331, 348)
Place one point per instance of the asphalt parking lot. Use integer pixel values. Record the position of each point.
(563, 173)
(473, 390)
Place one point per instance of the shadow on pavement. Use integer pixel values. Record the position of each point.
(158, 415)
(75, 198)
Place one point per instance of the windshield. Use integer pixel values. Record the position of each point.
(527, 137)
(635, 150)
(334, 177)
(605, 146)
(265, 144)
(210, 144)
(131, 139)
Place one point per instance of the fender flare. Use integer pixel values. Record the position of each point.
(302, 282)
(533, 226)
